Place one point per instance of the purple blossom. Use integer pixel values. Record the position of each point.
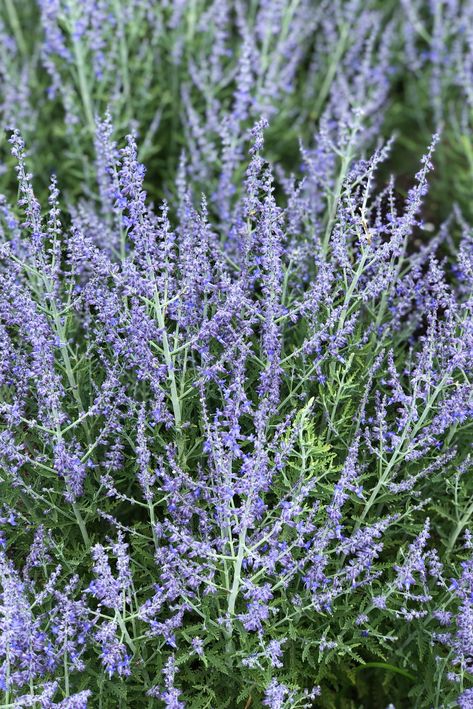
(170, 694)
(113, 653)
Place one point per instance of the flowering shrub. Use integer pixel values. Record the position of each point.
(236, 377)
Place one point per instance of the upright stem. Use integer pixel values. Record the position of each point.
(83, 86)
(398, 453)
(175, 401)
(81, 525)
(459, 528)
(330, 75)
(123, 57)
(66, 675)
(16, 26)
(235, 585)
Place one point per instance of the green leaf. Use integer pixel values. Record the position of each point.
(386, 666)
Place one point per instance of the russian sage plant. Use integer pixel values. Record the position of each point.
(236, 396)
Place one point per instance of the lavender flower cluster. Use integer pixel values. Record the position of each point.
(235, 408)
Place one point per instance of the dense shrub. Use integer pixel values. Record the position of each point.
(236, 377)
